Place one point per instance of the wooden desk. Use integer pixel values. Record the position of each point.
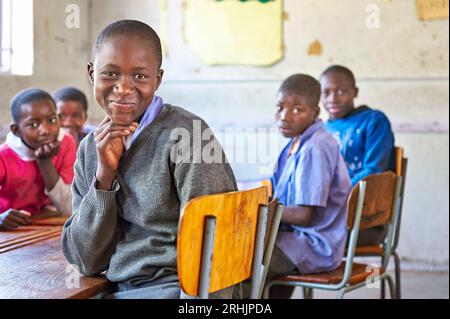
(51, 221)
(49, 218)
(32, 266)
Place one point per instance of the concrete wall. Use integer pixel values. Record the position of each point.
(401, 68)
(60, 54)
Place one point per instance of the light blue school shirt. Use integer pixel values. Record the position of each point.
(315, 175)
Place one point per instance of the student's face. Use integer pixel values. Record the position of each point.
(71, 115)
(38, 124)
(125, 76)
(294, 113)
(338, 93)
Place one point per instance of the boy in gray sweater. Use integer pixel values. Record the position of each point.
(137, 170)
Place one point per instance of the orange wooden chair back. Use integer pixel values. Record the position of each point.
(267, 183)
(399, 158)
(377, 207)
(236, 216)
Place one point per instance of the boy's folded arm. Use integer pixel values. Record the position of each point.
(91, 234)
(61, 197)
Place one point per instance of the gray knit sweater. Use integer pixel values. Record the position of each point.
(131, 231)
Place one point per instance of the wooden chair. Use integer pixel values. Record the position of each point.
(401, 164)
(371, 203)
(223, 239)
(267, 183)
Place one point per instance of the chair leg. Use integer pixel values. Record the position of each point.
(307, 293)
(383, 285)
(397, 276)
(265, 294)
(383, 289)
(340, 294)
(391, 287)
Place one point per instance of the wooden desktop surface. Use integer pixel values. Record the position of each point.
(32, 266)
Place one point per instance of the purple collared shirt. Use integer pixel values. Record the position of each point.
(149, 116)
(315, 175)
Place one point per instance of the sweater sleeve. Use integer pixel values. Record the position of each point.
(379, 144)
(202, 173)
(91, 234)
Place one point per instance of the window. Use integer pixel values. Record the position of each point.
(16, 37)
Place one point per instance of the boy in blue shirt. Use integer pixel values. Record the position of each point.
(312, 183)
(365, 135)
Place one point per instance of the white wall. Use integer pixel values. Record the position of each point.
(60, 54)
(401, 68)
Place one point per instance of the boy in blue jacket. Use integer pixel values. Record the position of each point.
(364, 135)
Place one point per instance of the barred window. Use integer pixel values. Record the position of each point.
(16, 37)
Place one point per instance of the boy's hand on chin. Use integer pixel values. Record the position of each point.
(109, 142)
(47, 151)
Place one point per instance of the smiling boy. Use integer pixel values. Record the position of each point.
(365, 135)
(129, 185)
(36, 161)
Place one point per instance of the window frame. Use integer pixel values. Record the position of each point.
(5, 64)
(15, 56)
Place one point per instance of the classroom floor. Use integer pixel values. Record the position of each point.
(415, 285)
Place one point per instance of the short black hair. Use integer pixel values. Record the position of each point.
(302, 84)
(340, 69)
(27, 96)
(131, 28)
(69, 93)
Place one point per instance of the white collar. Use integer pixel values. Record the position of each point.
(24, 152)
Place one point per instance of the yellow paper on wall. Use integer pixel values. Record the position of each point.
(235, 32)
(163, 26)
(432, 9)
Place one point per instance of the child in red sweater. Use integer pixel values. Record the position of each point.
(36, 161)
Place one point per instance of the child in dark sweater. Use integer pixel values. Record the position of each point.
(134, 173)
